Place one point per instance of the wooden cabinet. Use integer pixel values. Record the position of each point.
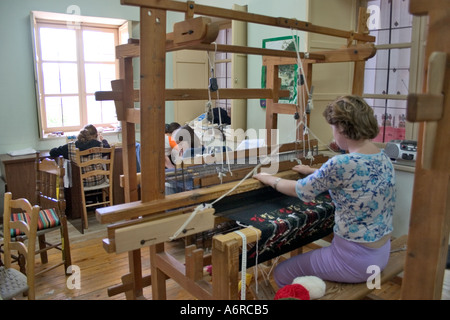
(19, 175)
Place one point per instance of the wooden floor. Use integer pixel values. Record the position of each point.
(100, 270)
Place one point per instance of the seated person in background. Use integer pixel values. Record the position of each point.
(87, 138)
(220, 116)
(188, 142)
(170, 144)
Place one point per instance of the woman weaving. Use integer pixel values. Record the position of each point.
(362, 187)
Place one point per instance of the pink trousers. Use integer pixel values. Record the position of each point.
(342, 261)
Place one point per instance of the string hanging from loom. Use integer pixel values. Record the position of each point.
(304, 100)
(214, 87)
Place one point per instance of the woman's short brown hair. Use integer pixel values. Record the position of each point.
(354, 117)
(89, 132)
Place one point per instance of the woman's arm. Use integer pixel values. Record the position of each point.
(281, 185)
(105, 143)
(304, 169)
(60, 151)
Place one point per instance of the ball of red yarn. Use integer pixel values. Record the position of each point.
(292, 291)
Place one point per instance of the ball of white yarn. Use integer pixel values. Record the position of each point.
(315, 286)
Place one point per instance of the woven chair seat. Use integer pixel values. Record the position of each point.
(12, 283)
(48, 218)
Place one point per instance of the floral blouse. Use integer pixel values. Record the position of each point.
(362, 187)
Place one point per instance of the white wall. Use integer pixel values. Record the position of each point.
(402, 212)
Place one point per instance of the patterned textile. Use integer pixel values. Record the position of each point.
(48, 218)
(286, 223)
(90, 181)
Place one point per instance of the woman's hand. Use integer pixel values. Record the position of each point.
(281, 185)
(303, 169)
(264, 178)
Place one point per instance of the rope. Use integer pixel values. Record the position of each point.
(255, 269)
(301, 99)
(243, 264)
(212, 65)
(199, 208)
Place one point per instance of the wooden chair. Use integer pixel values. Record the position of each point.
(50, 198)
(96, 177)
(12, 281)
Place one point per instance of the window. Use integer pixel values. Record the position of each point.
(72, 62)
(223, 68)
(387, 75)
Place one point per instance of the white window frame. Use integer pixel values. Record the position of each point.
(78, 23)
(415, 69)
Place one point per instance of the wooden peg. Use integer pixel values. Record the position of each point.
(190, 10)
(196, 30)
(424, 107)
(194, 262)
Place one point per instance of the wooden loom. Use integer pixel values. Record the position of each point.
(152, 212)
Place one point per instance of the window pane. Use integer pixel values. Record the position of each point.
(98, 46)
(400, 14)
(71, 111)
(398, 81)
(62, 111)
(58, 44)
(400, 58)
(391, 117)
(53, 112)
(99, 76)
(221, 70)
(60, 78)
(109, 111)
(100, 111)
(381, 36)
(401, 35)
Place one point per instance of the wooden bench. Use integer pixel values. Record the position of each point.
(357, 291)
(350, 291)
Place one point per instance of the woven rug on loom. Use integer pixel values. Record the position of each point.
(286, 223)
